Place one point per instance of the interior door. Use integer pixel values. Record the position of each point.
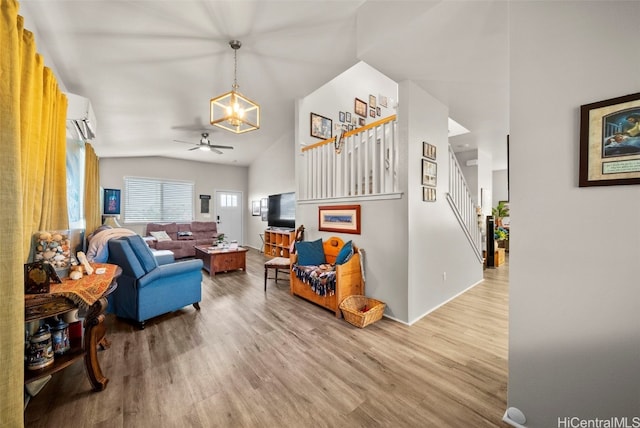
(229, 214)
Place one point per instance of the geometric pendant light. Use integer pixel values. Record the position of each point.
(233, 111)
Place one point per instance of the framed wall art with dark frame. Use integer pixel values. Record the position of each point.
(429, 194)
(428, 150)
(339, 218)
(610, 142)
(360, 107)
(429, 173)
(111, 202)
(321, 127)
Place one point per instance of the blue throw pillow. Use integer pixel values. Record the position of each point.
(310, 253)
(345, 253)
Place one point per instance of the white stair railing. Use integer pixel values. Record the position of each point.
(462, 204)
(366, 164)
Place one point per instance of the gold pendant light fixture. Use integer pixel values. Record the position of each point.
(233, 111)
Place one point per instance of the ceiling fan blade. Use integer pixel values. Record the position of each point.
(185, 142)
(216, 151)
(220, 147)
(194, 148)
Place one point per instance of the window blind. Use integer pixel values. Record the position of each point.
(154, 200)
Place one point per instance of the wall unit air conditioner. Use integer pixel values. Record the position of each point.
(81, 120)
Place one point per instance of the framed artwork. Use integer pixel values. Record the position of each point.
(204, 203)
(372, 101)
(361, 121)
(341, 116)
(351, 128)
(255, 208)
(372, 113)
(429, 194)
(382, 101)
(610, 142)
(321, 127)
(428, 150)
(345, 128)
(264, 208)
(339, 218)
(348, 117)
(111, 202)
(429, 173)
(360, 107)
(378, 112)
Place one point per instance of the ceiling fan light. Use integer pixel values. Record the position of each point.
(205, 148)
(233, 111)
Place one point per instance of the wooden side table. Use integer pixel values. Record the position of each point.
(41, 306)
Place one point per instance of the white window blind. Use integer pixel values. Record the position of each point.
(155, 200)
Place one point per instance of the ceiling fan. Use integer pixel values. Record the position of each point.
(206, 145)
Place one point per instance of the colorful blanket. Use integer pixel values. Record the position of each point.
(321, 279)
(87, 290)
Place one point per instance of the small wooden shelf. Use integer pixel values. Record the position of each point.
(277, 242)
(59, 362)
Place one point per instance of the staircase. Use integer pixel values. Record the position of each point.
(463, 207)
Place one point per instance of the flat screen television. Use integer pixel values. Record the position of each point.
(282, 211)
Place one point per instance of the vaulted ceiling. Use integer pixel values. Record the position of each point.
(150, 67)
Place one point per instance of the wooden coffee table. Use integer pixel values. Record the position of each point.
(215, 260)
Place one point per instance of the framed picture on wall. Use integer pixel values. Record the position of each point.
(429, 194)
(321, 127)
(339, 218)
(428, 150)
(255, 208)
(429, 173)
(610, 142)
(360, 107)
(111, 201)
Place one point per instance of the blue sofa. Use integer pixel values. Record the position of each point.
(147, 289)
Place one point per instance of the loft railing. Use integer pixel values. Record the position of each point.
(366, 164)
(462, 204)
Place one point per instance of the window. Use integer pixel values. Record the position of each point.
(155, 200)
(228, 200)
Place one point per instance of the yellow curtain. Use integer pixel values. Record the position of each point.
(32, 185)
(91, 189)
(11, 226)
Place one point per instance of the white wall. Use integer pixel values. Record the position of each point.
(207, 178)
(470, 173)
(273, 172)
(440, 262)
(574, 340)
(500, 186)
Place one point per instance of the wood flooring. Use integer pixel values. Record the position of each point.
(256, 359)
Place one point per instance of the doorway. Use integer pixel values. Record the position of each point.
(228, 206)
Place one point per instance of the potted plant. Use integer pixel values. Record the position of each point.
(499, 211)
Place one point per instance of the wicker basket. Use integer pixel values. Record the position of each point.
(352, 310)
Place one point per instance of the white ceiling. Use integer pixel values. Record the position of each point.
(150, 67)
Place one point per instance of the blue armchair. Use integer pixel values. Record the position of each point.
(147, 289)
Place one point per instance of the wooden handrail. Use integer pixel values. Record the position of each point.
(350, 133)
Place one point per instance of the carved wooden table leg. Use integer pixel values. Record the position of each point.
(94, 332)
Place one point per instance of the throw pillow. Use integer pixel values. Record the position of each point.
(310, 253)
(345, 253)
(185, 236)
(160, 236)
